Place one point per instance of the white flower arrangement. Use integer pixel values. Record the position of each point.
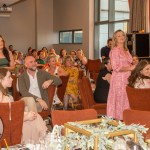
(75, 140)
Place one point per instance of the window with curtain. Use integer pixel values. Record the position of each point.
(110, 15)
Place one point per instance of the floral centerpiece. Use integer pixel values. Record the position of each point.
(101, 134)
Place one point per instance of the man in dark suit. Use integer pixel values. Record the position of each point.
(105, 50)
(33, 84)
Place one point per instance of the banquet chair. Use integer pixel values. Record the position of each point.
(51, 91)
(12, 115)
(131, 116)
(93, 66)
(95, 76)
(139, 99)
(87, 97)
(139, 112)
(61, 89)
(81, 74)
(59, 117)
(16, 95)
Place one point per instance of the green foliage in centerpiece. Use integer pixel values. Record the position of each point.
(75, 140)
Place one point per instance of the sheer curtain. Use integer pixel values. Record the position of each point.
(137, 15)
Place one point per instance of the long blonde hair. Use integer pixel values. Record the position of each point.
(114, 40)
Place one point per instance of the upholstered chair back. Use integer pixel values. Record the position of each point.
(61, 89)
(59, 117)
(87, 97)
(88, 89)
(131, 116)
(16, 94)
(93, 66)
(83, 96)
(12, 115)
(81, 74)
(51, 91)
(139, 99)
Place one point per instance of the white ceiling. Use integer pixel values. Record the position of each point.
(7, 2)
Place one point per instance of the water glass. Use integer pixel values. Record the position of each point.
(42, 143)
(13, 148)
(44, 140)
(30, 144)
(55, 143)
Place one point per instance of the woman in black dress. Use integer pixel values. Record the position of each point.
(102, 86)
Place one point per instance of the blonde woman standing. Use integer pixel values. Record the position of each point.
(121, 62)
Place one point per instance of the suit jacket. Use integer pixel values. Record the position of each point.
(42, 76)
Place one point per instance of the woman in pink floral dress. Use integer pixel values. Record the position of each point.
(121, 64)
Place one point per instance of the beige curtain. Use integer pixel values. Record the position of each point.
(137, 15)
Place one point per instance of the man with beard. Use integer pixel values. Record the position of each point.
(33, 84)
(106, 50)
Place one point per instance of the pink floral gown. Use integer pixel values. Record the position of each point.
(117, 98)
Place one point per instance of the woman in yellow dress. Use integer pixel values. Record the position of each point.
(72, 87)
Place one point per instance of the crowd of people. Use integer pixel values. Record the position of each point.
(49, 61)
(41, 69)
(119, 69)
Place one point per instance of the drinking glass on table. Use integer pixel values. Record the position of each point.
(42, 141)
(30, 144)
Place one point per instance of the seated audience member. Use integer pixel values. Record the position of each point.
(29, 51)
(44, 49)
(33, 84)
(52, 67)
(52, 51)
(102, 85)
(15, 55)
(11, 48)
(63, 54)
(105, 50)
(34, 54)
(93, 86)
(73, 54)
(72, 88)
(42, 57)
(140, 76)
(55, 70)
(135, 60)
(6, 57)
(33, 125)
(81, 60)
(19, 59)
(19, 64)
